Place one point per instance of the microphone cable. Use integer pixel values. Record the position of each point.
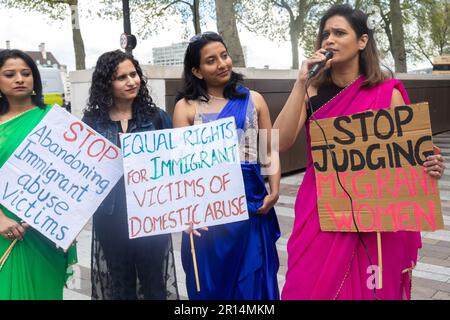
(334, 161)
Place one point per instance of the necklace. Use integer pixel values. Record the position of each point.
(216, 98)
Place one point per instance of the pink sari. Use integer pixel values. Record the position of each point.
(329, 265)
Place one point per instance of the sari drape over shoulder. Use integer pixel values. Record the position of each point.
(35, 269)
(237, 260)
(329, 265)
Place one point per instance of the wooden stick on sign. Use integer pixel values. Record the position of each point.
(6, 254)
(380, 261)
(194, 259)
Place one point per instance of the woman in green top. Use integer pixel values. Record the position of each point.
(35, 268)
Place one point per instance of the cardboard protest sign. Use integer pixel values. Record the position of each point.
(59, 175)
(379, 156)
(176, 176)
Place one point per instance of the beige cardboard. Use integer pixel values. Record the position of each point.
(400, 196)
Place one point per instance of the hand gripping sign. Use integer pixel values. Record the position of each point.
(379, 156)
(59, 175)
(177, 176)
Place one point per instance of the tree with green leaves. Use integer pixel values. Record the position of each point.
(283, 19)
(56, 9)
(398, 36)
(432, 22)
(424, 23)
(150, 16)
(393, 18)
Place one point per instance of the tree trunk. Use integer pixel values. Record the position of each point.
(398, 37)
(294, 34)
(296, 25)
(227, 27)
(78, 44)
(387, 30)
(196, 15)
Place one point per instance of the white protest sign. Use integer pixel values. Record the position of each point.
(59, 175)
(176, 176)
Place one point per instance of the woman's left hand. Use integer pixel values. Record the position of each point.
(434, 165)
(268, 203)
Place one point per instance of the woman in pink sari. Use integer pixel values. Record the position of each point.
(330, 265)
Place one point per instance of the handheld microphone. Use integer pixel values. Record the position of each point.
(316, 67)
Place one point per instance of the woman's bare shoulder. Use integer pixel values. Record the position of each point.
(258, 100)
(397, 98)
(184, 112)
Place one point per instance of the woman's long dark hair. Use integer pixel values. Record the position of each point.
(195, 88)
(101, 97)
(369, 61)
(37, 98)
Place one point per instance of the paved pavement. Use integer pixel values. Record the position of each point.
(431, 277)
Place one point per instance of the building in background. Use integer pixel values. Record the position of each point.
(55, 80)
(45, 59)
(173, 55)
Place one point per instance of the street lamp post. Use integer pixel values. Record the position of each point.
(128, 39)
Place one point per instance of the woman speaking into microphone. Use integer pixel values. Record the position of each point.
(332, 265)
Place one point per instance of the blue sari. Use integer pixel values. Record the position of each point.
(237, 261)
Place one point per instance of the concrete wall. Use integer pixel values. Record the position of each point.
(80, 82)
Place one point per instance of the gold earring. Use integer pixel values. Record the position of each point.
(33, 93)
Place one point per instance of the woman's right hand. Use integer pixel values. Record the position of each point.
(11, 229)
(190, 230)
(317, 57)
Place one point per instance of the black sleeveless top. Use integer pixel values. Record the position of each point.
(324, 94)
(119, 125)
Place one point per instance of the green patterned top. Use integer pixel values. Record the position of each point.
(35, 269)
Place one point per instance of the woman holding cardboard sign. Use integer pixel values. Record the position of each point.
(330, 265)
(237, 260)
(121, 268)
(31, 267)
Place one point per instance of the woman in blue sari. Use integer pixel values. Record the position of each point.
(237, 260)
